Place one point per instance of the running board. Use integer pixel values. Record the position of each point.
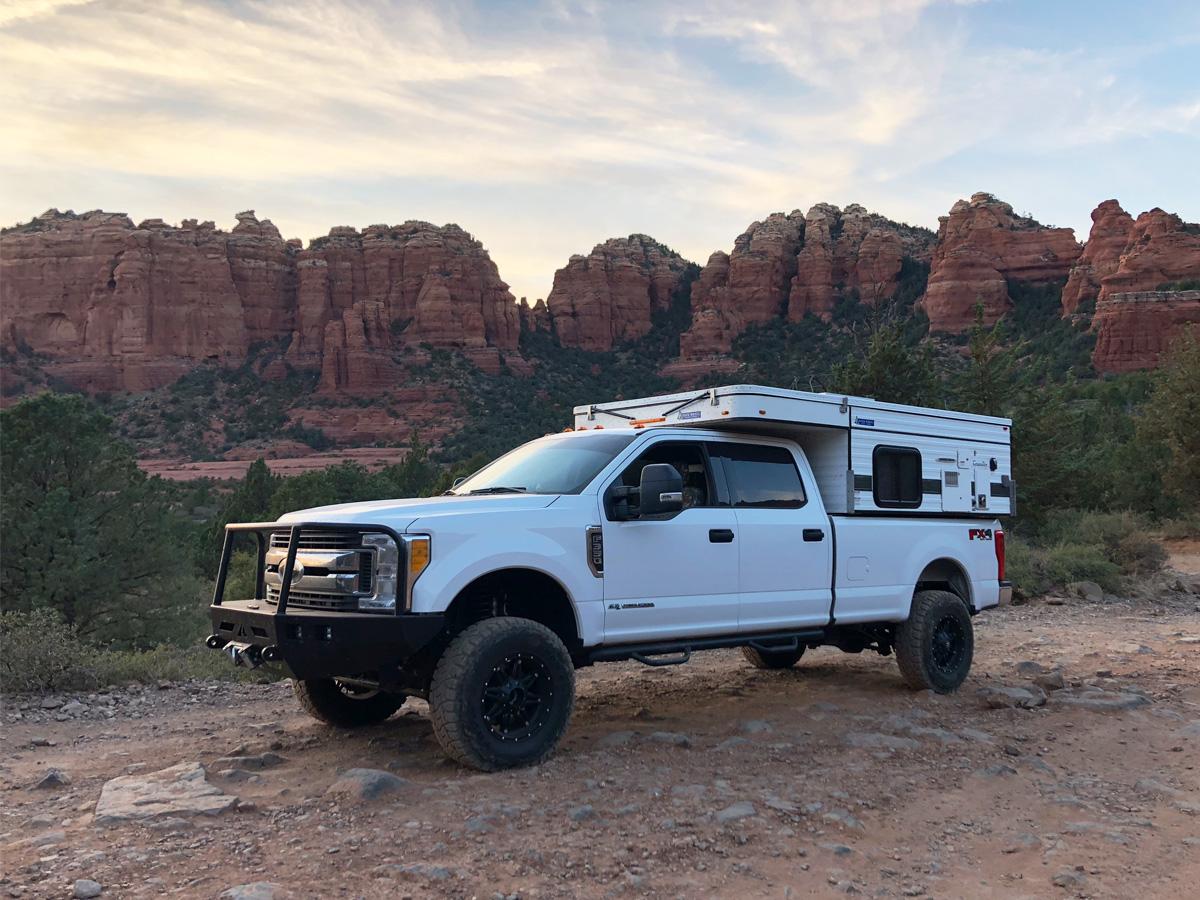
(683, 649)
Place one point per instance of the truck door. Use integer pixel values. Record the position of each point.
(674, 576)
(784, 537)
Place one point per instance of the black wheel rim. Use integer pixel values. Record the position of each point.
(517, 697)
(949, 646)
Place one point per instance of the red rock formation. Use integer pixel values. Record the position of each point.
(1135, 322)
(980, 245)
(363, 296)
(1162, 250)
(534, 318)
(608, 297)
(119, 307)
(1106, 242)
(793, 265)
(848, 250)
(746, 287)
(1133, 330)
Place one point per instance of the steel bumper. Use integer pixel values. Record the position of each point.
(319, 644)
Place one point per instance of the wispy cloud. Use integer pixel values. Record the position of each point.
(543, 127)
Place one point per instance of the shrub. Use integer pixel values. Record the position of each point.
(40, 652)
(1123, 538)
(1036, 570)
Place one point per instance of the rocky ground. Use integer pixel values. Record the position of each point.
(1065, 767)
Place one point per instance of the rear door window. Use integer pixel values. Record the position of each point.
(761, 476)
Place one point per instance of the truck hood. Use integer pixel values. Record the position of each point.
(400, 514)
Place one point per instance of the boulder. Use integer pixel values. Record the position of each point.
(180, 790)
(366, 784)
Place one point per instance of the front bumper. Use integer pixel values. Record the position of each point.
(1006, 591)
(320, 644)
(313, 643)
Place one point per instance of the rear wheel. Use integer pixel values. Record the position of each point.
(346, 705)
(502, 694)
(934, 648)
(772, 659)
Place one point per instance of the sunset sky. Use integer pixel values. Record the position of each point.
(546, 128)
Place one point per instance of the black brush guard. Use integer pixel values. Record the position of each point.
(314, 643)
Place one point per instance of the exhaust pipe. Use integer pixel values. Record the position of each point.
(214, 642)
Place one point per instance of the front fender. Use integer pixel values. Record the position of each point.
(459, 557)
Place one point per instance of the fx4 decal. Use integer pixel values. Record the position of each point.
(979, 534)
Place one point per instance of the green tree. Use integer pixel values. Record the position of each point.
(1169, 429)
(987, 383)
(85, 532)
(250, 501)
(890, 369)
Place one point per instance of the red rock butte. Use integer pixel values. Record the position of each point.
(105, 305)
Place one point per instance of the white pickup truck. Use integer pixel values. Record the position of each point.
(775, 521)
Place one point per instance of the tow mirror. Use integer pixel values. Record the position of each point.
(661, 490)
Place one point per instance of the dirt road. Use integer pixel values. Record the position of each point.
(711, 779)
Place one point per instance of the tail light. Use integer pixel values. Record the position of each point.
(999, 541)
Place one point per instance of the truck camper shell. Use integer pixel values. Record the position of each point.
(868, 457)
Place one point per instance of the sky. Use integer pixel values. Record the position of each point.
(545, 128)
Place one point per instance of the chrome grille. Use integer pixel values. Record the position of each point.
(333, 569)
(317, 540)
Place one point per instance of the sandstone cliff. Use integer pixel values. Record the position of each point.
(796, 265)
(118, 306)
(609, 296)
(1106, 242)
(114, 306)
(363, 296)
(1139, 308)
(1134, 329)
(981, 244)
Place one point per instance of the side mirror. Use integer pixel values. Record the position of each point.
(459, 480)
(661, 490)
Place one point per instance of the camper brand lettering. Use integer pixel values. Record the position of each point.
(684, 416)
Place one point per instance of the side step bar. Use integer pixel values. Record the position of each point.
(679, 652)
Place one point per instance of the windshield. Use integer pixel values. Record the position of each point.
(556, 464)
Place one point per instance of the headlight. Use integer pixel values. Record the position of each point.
(387, 569)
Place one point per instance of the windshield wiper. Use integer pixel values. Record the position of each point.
(498, 489)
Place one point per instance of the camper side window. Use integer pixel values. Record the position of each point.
(896, 477)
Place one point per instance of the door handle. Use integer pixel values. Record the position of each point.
(720, 535)
(814, 534)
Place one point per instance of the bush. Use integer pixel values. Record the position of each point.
(40, 653)
(1124, 538)
(1036, 570)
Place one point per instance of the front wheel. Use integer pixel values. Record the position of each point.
(346, 705)
(502, 694)
(935, 646)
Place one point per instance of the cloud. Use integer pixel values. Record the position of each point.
(688, 119)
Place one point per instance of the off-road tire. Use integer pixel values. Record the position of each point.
(473, 673)
(328, 702)
(772, 659)
(935, 646)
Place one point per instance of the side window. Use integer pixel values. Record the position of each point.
(761, 477)
(688, 459)
(896, 477)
